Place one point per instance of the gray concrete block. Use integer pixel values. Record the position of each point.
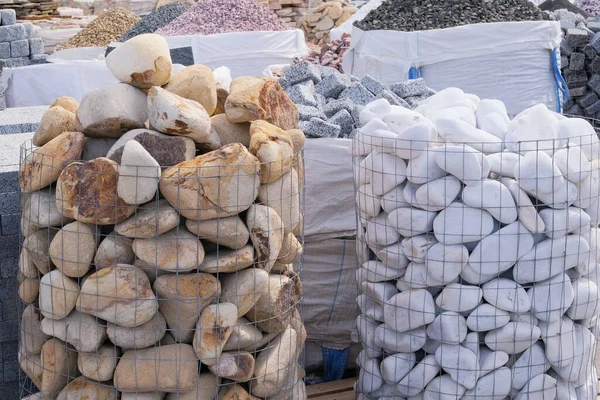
(575, 110)
(332, 85)
(344, 120)
(373, 85)
(413, 87)
(565, 49)
(595, 65)
(9, 351)
(577, 61)
(9, 330)
(595, 42)
(587, 100)
(332, 107)
(318, 128)
(14, 62)
(308, 112)
(593, 109)
(36, 46)
(576, 38)
(575, 78)
(357, 93)
(19, 48)
(9, 202)
(301, 95)
(29, 29)
(303, 71)
(9, 246)
(8, 17)
(578, 91)
(589, 52)
(594, 83)
(4, 50)
(569, 103)
(11, 371)
(564, 62)
(37, 59)
(594, 26)
(393, 99)
(12, 32)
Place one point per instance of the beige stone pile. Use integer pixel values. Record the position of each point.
(31, 8)
(318, 22)
(161, 224)
(290, 11)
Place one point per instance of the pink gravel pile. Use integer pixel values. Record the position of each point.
(208, 17)
(591, 6)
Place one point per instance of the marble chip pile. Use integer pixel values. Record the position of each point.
(329, 102)
(18, 47)
(478, 238)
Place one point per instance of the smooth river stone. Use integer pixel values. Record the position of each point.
(393, 256)
(491, 360)
(99, 365)
(393, 199)
(413, 140)
(182, 298)
(84, 388)
(138, 175)
(229, 231)
(419, 377)
(404, 342)
(227, 261)
(379, 292)
(32, 333)
(578, 367)
(506, 295)
(573, 163)
(460, 362)
(212, 331)
(459, 298)
(527, 213)
(283, 196)
(504, 163)
(459, 223)
(206, 389)
(367, 202)
(540, 387)
(377, 272)
(551, 298)
(149, 221)
(177, 250)
(40, 211)
(72, 249)
(563, 221)
(499, 251)
(438, 194)
(381, 232)
(37, 247)
(494, 197)
(443, 388)
(397, 366)
(559, 337)
(458, 131)
(550, 258)
(586, 302)
(409, 193)
(423, 169)
(114, 249)
(561, 198)
(492, 386)
(171, 368)
(588, 187)
(411, 221)
(445, 262)
(139, 337)
(26, 266)
(409, 310)
(366, 331)
(234, 366)
(83, 331)
(537, 173)
(243, 334)
(416, 277)
(244, 288)
(369, 307)
(273, 310)
(58, 295)
(383, 171)
(119, 294)
(369, 377)
(462, 161)
(486, 317)
(448, 327)
(59, 362)
(415, 248)
(266, 233)
(529, 364)
(513, 338)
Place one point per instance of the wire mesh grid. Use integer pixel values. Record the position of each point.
(478, 266)
(161, 282)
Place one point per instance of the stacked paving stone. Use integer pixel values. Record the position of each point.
(329, 102)
(18, 47)
(289, 11)
(580, 63)
(30, 8)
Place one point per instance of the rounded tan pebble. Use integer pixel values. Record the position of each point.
(228, 132)
(31, 364)
(243, 335)
(147, 396)
(273, 147)
(40, 210)
(176, 250)
(291, 249)
(152, 271)
(83, 331)
(72, 249)
(37, 245)
(222, 94)
(237, 367)
(244, 288)
(99, 365)
(196, 82)
(212, 331)
(55, 121)
(32, 336)
(58, 295)
(273, 309)
(229, 231)
(59, 361)
(27, 267)
(235, 392)
(266, 233)
(114, 249)
(283, 196)
(298, 139)
(206, 389)
(139, 337)
(66, 102)
(149, 221)
(227, 261)
(83, 388)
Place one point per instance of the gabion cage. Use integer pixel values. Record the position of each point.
(478, 264)
(160, 281)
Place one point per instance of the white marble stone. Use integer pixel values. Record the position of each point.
(462, 161)
(459, 223)
(380, 292)
(541, 387)
(492, 386)
(449, 327)
(494, 197)
(401, 118)
(562, 197)
(366, 332)
(507, 295)
(424, 168)
(383, 171)
(503, 164)
(534, 129)
(527, 317)
(415, 248)
(367, 202)
(572, 163)
(560, 222)
(419, 377)
(459, 298)
(379, 272)
(527, 213)
(457, 131)
(369, 378)
(551, 298)
(559, 337)
(496, 124)
(577, 368)
(586, 302)
(393, 199)
(393, 256)
(376, 109)
(414, 140)
(491, 360)
(397, 366)
(461, 363)
(445, 262)
(416, 277)
(531, 363)
(404, 342)
(411, 221)
(409, 310)
(512, 338)
(370, 307)
(564, 390)
(381, 232)
(443, 388)
(486, 317)
(469, 275)
(536, 172)
(580, 132)
(374, 135)
(438, 194)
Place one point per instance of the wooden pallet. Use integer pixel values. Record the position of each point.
(339, 390)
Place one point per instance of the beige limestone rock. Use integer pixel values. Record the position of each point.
(59, 361)
(119, 294)
(218, 184)
(29, 290)
(27, 267)
(229, 231)
(114, 249)
(274, 149)
(291, 249)
(99, 365)
(237, 367)
(40, 211)
(235, 392)
(83, 388)
(227, 261)
(283, 196)
(43, 166)
(66, 102)
(83, 331)
(138, 174)
(113, 110)
(206, 389)
(182, 298)
(147, 396)
(143, 61)
(152, 271)
(56, 120)
(228, 132)
(58, 295)
(139, 337)
(244, 288)
(31, 364)
(243, 335)
(273, 310)
(37, 245)
(298, 139)
(87, 192)
(32, 335)
(196, 82)
(212, 331)
(176, 250)
(254, 99)
(222, 94)
(172, 368)
(299, 168)
(149, 221)
(266, 233)
(72, 249)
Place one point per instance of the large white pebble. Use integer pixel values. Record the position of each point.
(370, 307)
(376, 109)
(415, 248)
(424, 168)
(486, 317)
(438, 194)
(541, 387)
(401, 118)
(499, 251)
(462, 161)
(461, 363)
(581, 133)
(469, 275)
(504, 163)
(560, 339)
(411, 221)
(380, 292)
(527, 212)
(394, 199)
(419, 377)
(459, 298)
(551, 298)
(393, 256)
(459, 223)
(383, 171)
(409, 310)
(507, 295)
(586, 303)
(380, 232)
(512, 338)
(560, 222)
(573, 163)
(404, 342)
(551, 257)
(443, 388)
(366, 331)
(494, 197)
(529, 364)
(577, 368)
(564, 390)
(486, 107)
(379, 272)
(138, 174)
(534, 129)
(537, 173)
(493, 386)
(495, 124)
(414, 140)
(457, 131)
(416, 277)
(445, 262)
(562, 197)
(395, 367)
(448, 327)
(374, 135)
(491, 360)
(370, 378)
(368, 202)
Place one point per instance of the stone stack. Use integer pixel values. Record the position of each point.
(31, 8)
(161, 223)
(479, 250)
(318, 22)
(290, 11)
(18, 47)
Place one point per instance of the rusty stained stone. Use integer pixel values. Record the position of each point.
(87, 192)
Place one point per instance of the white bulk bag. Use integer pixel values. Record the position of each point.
(509, 61)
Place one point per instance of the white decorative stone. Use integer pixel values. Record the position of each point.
(493, 197)
(459, 223)
(403, 342)
(459, 298)
(369, 378)
(457, 131)
(462, 161)
(443, 388)
(506, 295)
(383, 171)
(534, 129)
(409, 310)
(459, 362)
(445, 262)
(414, 140)
(416, 277)
(541, 387)
(367, 201)
(560, 222)
(537, 173)
(380, 232)
(424, 168)
(393, 199)
(486, 317)
(401, 118)
(581, 133)
(504, 163)
(551, 298)
(491, 360)
(415, 248)
(448, 327)
(397, 366)
(438, 194)
(138, 174)
(366, 332)
(572, 163)
(419, 377)
(378, 272)
(529, 364)
(492, 386)
(376, 109)
(411, 221)
(393, 256)
(513, 338)
(586, 302)
(528, 214)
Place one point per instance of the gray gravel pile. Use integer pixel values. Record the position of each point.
(330, 103)
(418, 15)
(158, 18)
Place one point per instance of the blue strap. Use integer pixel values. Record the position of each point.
(334, 363)
(560, 86)
(414, 73)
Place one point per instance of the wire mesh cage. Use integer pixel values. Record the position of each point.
(172, 279)
(478, 260)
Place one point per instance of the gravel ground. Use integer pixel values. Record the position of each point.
(155, 20)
